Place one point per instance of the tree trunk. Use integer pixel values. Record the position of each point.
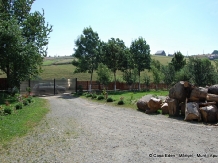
(209, 113)
(173, 106)
(198, 94)
(212, 97)
(90, 85)
(192, 112)
(115, 82)
(180, 91)
(213, 89)
(139, 82)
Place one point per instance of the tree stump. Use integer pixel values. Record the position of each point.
(173, 106)
(154, 104)
(165, 109)
(192, 112)
(180, 91)
(198, 94)
(209, 113)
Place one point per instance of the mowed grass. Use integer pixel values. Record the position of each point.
(129, 98)
(22, 121)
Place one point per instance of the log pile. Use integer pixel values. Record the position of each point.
(194, 103)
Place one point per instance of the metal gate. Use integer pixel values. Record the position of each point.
(49, 87)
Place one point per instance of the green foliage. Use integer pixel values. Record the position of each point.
(87, 52)
(25, 102)
(100, 97)
(24, 39)
(30, 99)
(94, 96)
(121, 102)
(147, 81)
(110, 99)
(156, 64)
(178, 61)
(113, 55)
(80, 90)
(130, 76)
(88, 95)
(168, 72)
(7, 110)
(141, 55)
(183, 75)
(156, 75)
(202, 71)
(104, 74)
(19, 106)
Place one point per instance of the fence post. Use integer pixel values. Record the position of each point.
(54, 86)
(76, 85)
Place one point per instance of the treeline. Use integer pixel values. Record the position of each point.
(107, 58)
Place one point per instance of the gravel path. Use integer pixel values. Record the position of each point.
(77, 130)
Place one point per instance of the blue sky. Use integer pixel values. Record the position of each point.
(189, 26)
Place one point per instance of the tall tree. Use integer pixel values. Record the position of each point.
(202, 71)
(23, 40)
(114, 54)
(141, 55)
(168, 72)
(178, 61)
(87, 52)
(104, 74)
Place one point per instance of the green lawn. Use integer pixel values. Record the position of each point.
(129, 98)
(21, 121)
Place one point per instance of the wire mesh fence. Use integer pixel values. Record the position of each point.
(49, 87)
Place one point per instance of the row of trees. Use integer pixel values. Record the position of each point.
(108, 57)
(90, 51)
(23, 40)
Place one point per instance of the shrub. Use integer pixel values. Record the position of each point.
(7, 110)
(18, 106)
(110, 99)
(94, 96)
(88, 95)
(120, 102)
(80, 90)
(25, 102)
(100, 97)
(30, 99)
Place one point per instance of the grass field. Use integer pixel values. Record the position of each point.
(129, 98)
(61, 67)
(22, 121)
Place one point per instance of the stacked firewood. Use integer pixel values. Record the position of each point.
(195, 103)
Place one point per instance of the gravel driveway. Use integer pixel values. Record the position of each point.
(77, 130)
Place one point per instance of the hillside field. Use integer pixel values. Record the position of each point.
(61, 67)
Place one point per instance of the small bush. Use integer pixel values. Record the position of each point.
(25, 102)
(19, 106)
(100, 97)
(7, 110)
(30, 99)
(94, 96)
(88, 95)
(120, 102)
(110, 99)
(80, 90)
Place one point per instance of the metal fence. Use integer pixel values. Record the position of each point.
(49, 87)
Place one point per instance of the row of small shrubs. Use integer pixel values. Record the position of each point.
(5, 110)
(101, 97)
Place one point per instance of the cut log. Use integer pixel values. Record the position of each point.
(142, 105)
(165, 108)
(212, 97)
(192, 112)
(213, 89)
(202, 104)
(154, 104)
(209, 113)
(173, 106)
(180, 91)
(198, 94)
